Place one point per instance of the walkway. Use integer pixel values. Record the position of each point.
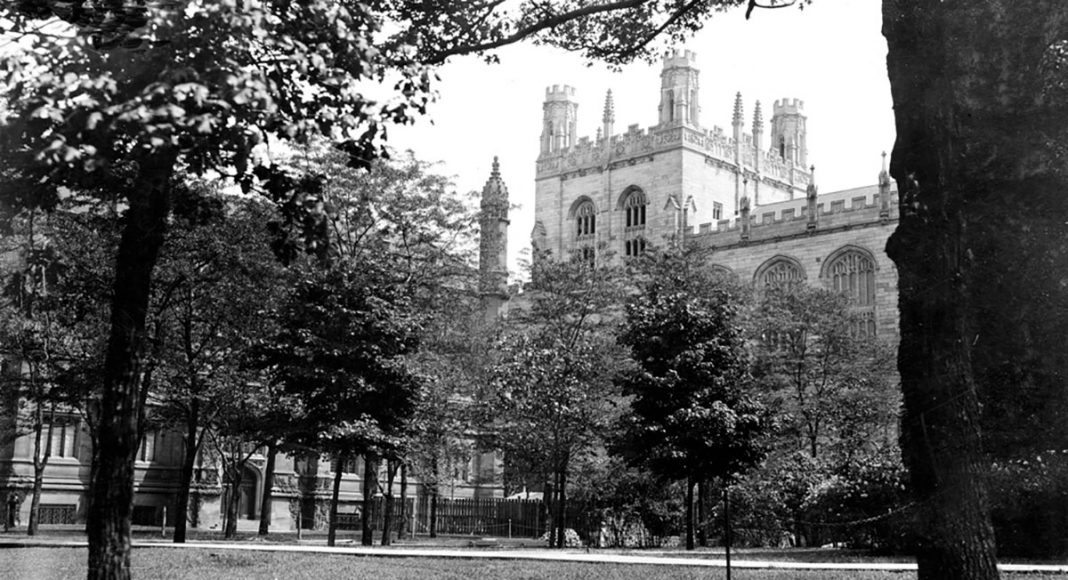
(532, 554)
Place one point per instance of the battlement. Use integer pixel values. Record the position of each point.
(788, 107)
(674, 59)
(848, 208)
(558, 93)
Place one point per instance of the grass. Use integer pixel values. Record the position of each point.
(207, 564)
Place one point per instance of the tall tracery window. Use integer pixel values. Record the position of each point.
(853, 273)
(585, 220)
(780, 272)
(634, 223)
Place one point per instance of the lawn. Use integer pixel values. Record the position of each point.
(164, 563)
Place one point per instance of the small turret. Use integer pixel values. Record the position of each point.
(679, 89)
(811, 195)
(788, 139)
(884, 192)
(560, 119)
(609, 117)
(493, 242)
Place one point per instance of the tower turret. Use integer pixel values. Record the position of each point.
(788, 131)
(679, 89)
(560, 118)
(493, 243)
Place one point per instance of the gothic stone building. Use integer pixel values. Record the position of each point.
(749, 197)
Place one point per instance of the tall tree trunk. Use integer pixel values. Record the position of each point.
(112, 487)
(982, 118)
(401, 529)
(268, 488)
(192, 446)
(435, 472)
(689, 513)
(434, 510)
(40, 462)
(387, 515)
(370, 483)
(702, 513)
(561, 510)
(331, 534)
(549, 499)
(233, 500)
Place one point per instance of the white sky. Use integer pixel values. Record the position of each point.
(831, 55)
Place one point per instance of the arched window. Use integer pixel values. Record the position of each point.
(779, 271)
(585, 220)
(852, 272)
(634, 204)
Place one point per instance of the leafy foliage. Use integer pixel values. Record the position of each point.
(691, 417)
(833, 389)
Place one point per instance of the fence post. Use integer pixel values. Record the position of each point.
(509, 528)
(163, 523)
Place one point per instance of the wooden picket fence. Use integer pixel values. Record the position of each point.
(504, 518)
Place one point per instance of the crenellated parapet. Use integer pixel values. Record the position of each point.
(717, 146)
(846, 209)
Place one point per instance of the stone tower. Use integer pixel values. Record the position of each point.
(493, 245)
(679, 98)
(788, 132)
(560, 118)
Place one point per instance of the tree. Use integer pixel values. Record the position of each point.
(690, 415)
(550, 396)
(222, 282)
(831, 386)
(979, 101)
(342, 333)
(979, 114)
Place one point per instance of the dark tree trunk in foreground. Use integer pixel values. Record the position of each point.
(689, 514)
(112, 488)
(702, 513)
(268, 487)
(40, 462)
(189, 460)
(387, 515)
(402, 528)
(370, 483)
(233, 499)
(561, 510)
(433, 510)
(331, 534)
(979, 99)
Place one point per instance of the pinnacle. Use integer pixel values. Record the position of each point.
(496, 168)
(738, 108)
(609, 108)
(758, 116)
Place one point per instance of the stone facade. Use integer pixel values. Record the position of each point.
(752, 202)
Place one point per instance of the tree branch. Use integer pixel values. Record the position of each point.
(529, 30)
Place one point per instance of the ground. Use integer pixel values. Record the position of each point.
(20, 560)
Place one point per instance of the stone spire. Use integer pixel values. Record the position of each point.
(493, 242)
(609, 118)
(737, 121)
(758, 138)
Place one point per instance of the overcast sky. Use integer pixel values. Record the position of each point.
(830, 55)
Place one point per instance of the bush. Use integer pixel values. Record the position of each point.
(1030, 505)
(571, 539)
